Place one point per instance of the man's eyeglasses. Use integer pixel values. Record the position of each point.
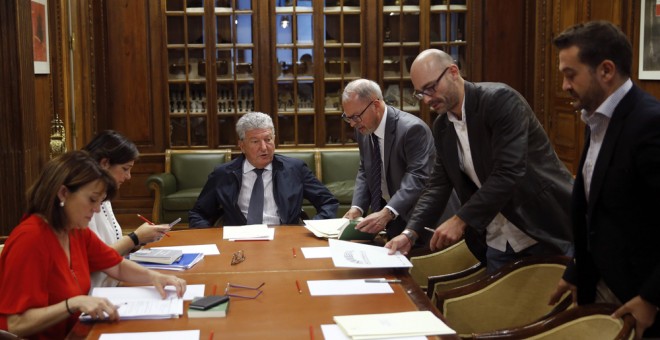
(355, 118)
(238, 257)
(429, 90)
(253, 296)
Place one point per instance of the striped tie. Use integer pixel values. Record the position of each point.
(375, 176)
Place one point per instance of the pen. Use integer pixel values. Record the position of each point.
(214, 287)
(211, 335)
(294, 251)
(311, 332)
(429, 229)
(383, 280)
(152, 223)
(298, 286)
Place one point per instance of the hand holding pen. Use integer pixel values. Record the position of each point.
(149, 232)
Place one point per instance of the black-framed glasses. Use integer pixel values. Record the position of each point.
(236, 286)
(237, 257)
(355, 118)
(429, 90)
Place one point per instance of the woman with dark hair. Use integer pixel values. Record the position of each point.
(117, 154)
(47, 259)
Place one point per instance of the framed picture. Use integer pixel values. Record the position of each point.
(40, 37)
(649, 40)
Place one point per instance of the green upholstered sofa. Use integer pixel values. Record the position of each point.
(186, 172)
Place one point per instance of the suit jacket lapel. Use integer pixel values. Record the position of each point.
(390, 135)
(609, 142)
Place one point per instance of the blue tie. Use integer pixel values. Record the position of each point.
(375, 176)
(255, 213)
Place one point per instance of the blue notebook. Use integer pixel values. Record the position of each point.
(185, 262)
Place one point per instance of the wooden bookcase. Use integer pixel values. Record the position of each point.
(291, 59)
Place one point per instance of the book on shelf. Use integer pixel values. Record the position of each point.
(163, 256)
(186, 261)
(219, 311)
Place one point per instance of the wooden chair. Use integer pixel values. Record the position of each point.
(456, 260)
(515, 296)
(583, 322)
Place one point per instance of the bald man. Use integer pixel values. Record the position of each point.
(494, 153)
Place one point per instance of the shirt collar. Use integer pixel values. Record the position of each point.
(607, 107)
(247, 167)
(380, 130)
(452, 118)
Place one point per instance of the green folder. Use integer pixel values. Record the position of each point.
(349, 233)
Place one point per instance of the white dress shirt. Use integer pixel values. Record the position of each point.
(598, 123)
(500, 230)
(271, 215)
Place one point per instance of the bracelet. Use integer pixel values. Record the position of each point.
(66, 303)
(134, 238)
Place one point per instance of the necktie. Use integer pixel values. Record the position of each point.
(375, 176)
(256, 209)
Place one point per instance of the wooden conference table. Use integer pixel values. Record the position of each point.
(281, 311)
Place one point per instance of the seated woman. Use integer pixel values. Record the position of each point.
(117, 154)
(47, 259)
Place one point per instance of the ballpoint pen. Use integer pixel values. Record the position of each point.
(298, 286)
(152, 223)
(294, 251)
(429, 229)
(383, 280)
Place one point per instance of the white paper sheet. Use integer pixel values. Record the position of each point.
(356, 255)
(206, 249)
(316, 252)
(326, 228)
(122, 294)
(248, 232)
(180, 335)
(379, 326)
(333, 332)
(347, 287)
(147, 309)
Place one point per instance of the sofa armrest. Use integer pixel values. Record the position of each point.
(161, 184)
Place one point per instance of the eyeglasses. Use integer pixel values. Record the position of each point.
(237, 258)
(355, 118)
(429, 90)
(232, 285)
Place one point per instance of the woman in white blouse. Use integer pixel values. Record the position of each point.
(117, 154)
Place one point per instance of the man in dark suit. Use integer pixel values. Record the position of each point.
(615, 197)
(399, 165)
(494, 153)
(259, 186)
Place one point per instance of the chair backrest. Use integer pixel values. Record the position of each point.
(447, 261)
(339, 164)
(306, 155)
(583, 322)
(516, 295)
(191, 168)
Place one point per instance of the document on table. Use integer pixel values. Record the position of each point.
(180, 335)
(387, 325)
(122, 294)
(146, 309)
(316, 252)
(347, 287)
(333, 332)
(328, 228)
(248, 232)
(206, 249)
(356, 255)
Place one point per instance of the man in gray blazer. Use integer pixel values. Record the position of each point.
(396, 157)
(514, 190)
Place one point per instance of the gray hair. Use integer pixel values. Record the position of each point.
(254, 120)
(363, 88)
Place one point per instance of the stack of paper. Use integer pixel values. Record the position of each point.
(341, 228)
(140, 303)
(163, 256)
(389, 325)
(356, 255)
(186, 261)
(256, 232)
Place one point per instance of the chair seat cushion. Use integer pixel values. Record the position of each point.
(181, 200)
(343, 190)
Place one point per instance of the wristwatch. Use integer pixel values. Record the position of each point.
(133, 236)
(392, 214)
(411, 235)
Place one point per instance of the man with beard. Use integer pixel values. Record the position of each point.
(494, 153)
(616, 230)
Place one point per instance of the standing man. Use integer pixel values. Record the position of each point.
(396, 158)
(258, 186)
(493, 151)
(615, 197)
